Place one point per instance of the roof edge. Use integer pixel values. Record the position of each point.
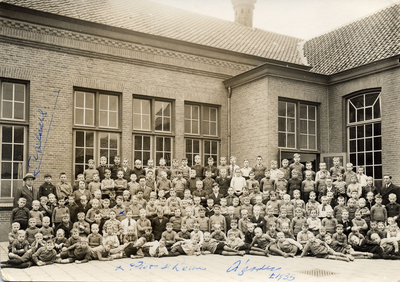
(295, 72)
(364, 70)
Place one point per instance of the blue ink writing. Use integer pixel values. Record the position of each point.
(38, 135)
(278, 276)
(140, 265)
(240, 269)
(38, 156)
(119, 267)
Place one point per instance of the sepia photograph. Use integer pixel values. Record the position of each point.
(200, 140)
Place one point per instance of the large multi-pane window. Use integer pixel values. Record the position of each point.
(13, 129)
(97, 129)
(364, 131)
(153, 133)
(297, 125)
(201, 132)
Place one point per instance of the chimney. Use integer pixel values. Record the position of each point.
(244, 11)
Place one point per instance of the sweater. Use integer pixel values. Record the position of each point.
(44, 255)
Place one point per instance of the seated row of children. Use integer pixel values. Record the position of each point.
(254, 242)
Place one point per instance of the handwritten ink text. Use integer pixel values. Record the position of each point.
(140, 265)
(240, 269)
(39, 147)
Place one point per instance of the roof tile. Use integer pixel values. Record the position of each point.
(369, 39)
(161, 20)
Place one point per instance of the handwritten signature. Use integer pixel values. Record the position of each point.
(38, 156)
(176, 267)
(241, 270)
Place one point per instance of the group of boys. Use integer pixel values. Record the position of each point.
(225, 209)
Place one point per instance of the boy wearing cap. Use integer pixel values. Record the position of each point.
(47, 187)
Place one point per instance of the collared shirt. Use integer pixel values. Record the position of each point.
(245, 171)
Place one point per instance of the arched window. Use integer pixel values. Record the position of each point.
(364, 132)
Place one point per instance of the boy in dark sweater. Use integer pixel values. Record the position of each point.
(21, 214)
(47, 187)
(66, 225)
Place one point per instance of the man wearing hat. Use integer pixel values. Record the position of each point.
(47, 187)
(27, 191)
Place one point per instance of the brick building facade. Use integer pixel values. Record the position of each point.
(80, 82)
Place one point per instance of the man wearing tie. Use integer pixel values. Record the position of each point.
(27, 191)
(387, 188)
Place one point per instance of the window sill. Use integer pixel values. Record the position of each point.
(6, 202)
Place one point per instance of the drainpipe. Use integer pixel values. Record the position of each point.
(229, 121)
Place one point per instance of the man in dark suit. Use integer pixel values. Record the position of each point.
(27, 191)
(215, 195)
(388, 188)
(257, 219)
(159, 224)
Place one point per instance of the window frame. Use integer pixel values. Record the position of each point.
(209, 121)
(153, 148)
(296, 129)
(191, 119)
(297, 132)
(24, 121)
(84, 109)
(348, 125)
(96, 128)
(153, 130)
(96, 110)
(19, 123)
(308, 120)
(152, 133)
(357, 94)
(190, 155)
(12, 161)
(202, 137)
(109, 111)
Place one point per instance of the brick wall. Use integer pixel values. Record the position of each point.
(248, 117)
(5, 215)
(255, 115)
(390, 84)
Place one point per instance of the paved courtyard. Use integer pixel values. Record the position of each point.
(209, 268)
